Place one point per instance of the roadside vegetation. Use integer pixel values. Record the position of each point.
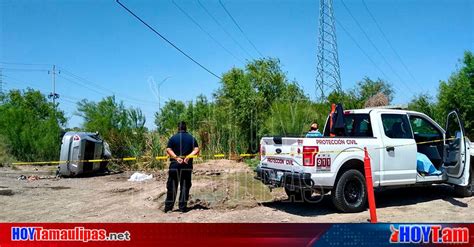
(251, 102)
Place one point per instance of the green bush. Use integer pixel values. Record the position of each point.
(31, 125)
(5, 156)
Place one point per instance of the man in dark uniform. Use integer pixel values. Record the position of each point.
(180, 145)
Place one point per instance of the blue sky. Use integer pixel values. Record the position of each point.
(100, 42)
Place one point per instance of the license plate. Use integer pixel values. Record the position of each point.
(279, 174)
(276, 175)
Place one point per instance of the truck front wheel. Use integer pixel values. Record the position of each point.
(350, 193)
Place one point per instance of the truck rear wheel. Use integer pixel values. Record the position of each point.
(350, 193)
(299, 195)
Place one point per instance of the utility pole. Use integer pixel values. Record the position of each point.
(53, 95)
(328, 77)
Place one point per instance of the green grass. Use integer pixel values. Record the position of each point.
(252, 163)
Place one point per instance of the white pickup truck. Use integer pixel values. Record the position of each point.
(392, 137)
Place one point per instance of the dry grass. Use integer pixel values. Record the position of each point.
(378, 99)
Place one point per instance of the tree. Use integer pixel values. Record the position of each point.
(166, 120)
(294, 118)
(458, 93)
(104, 117)
(122, 128)
(424, 103)
(135, 131)
(368, 88)
(365, 90)
(31, 125)
(348, 99)
(5, 156)
(234, 122)
(249, 94)
(199, 120)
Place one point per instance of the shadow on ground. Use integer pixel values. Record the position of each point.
(322, 205)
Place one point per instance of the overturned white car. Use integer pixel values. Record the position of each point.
(83, 153)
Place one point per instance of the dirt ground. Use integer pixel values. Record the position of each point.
(222, 191)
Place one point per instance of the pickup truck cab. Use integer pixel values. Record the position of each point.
(392, 137)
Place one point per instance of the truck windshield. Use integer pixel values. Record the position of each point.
(355, 125)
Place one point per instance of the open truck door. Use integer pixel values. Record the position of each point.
(455, 155)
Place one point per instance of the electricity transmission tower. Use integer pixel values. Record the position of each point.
(328, 77)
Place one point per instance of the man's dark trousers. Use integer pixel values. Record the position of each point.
(178, 174)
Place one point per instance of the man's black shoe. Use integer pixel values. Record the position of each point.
(166, 210)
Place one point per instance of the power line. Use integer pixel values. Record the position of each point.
(168, 41)
(27, 84)
(70, 100)
(223, 28)
(96, 85)
(71, 97)
(67, 73)
(83, 85)
(68, 103)
(206, 32)
(23, 69)
(388, 40)
(34, 86)
(360, 48)
(65, 99)
(30, 64)
(238, 26)
(85, 80)
(130, 100)
(375, 47)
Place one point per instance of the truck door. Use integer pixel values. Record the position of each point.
(454, 148)
(398, 154)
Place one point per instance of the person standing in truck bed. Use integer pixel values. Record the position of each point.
(181, 145)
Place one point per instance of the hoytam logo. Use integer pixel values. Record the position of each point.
(75, 234)
(429, 234)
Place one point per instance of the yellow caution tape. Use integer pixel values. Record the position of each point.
(248, 155)
(129, 158)
(214, 155)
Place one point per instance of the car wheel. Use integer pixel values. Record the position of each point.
(350, 193)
